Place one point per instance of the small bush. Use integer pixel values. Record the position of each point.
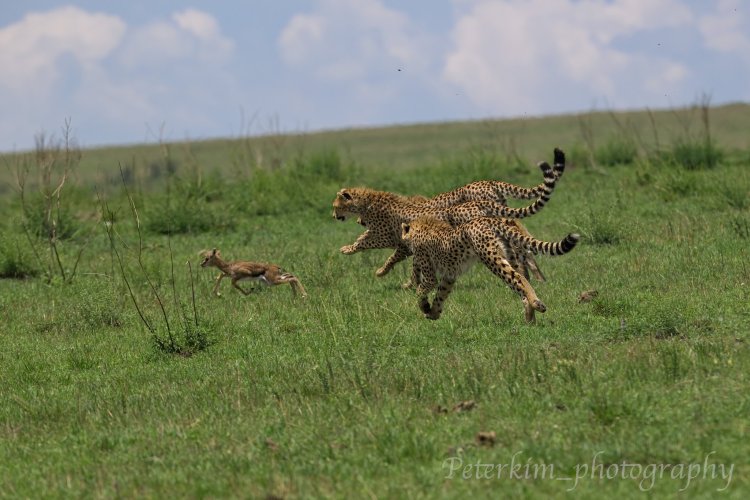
(736, 195)
(15, 261)
(41, 222)
(297, 186)
(187, 343)
(190, 216)
(691, 154)
(616, 152)
(577, 156)
(741, 227)
(320, 166)
(602, 228)
(99, 306)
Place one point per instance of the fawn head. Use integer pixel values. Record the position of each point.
(209, 257)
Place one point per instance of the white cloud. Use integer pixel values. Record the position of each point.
(303, 32)
(31, 49)
(724, 31)
(513, 56)
(351, 39)
(108, 76)
(188, 34)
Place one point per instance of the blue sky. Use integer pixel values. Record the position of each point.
(136, 71)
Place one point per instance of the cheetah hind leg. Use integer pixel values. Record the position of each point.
(505, 271)
(532, 266)
(530, 308)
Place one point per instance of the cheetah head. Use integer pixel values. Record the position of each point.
(344, 205)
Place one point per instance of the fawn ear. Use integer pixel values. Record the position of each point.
(214, 251)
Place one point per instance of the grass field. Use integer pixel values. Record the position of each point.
(351, 393)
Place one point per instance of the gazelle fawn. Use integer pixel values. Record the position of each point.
(238, 270)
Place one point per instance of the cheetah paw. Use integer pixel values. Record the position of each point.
(381, 272)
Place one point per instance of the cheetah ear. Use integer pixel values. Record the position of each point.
(345, 194)
(405, 228)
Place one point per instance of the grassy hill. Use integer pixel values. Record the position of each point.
(123, 376)
(421, 145)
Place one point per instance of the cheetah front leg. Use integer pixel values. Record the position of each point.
(425, 285)
(397, 256)
(414, 279)
(445, 289)
(365, 241)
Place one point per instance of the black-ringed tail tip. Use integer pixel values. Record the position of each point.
(566, 245)
(570, 241)
(559, 162)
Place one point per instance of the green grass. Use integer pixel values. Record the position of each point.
(336, 395)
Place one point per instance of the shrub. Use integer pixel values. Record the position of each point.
(741, 226)
(617, 151)
(736, 195)
(43, 220)
(319, 166)
(15, 262)
(191, 340)
(601, 228)
(691, 155)
(190, 216)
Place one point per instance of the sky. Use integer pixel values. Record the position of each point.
(122, 72)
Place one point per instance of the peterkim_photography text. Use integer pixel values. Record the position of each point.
(644, 475)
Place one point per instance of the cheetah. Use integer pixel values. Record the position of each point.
(382, 213)
(443, 251)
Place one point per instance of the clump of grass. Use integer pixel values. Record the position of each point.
(674, 184)
(736, 195)
(187, 206)
(602, 228)
(578, 156)
(99, 306)
(15, 262)
(616, 151)
(295, 186)
(694, 155)
(320, 166)
(41, 221)
(189, 216)
(741, 226)
(694, 151)
(191, 341)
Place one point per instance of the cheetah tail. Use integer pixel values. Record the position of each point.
(544, 247)
(549, 186)
(559, 164)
